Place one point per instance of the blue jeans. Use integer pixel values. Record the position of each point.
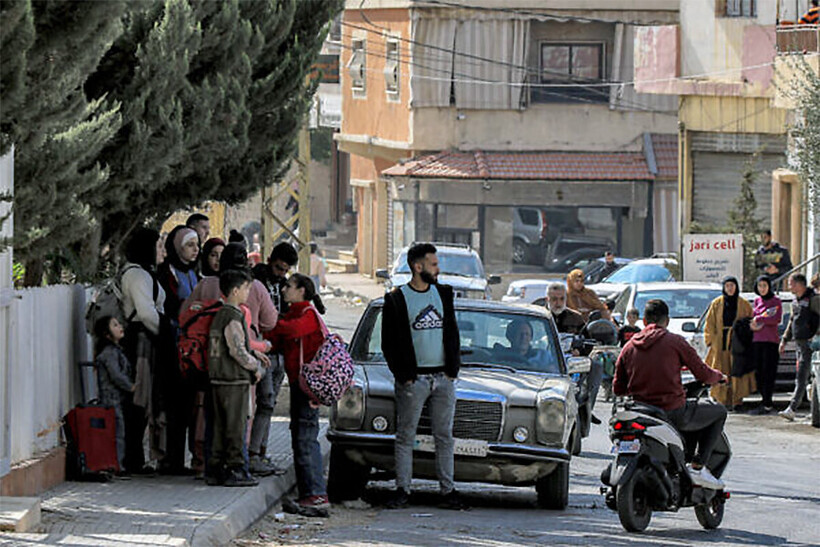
(304, 435)
(441, 392)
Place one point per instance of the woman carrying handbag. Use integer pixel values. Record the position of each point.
(298, 335)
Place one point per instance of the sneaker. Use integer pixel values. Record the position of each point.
(314, 502)
(262, 468)
(595, 419)
(400, 499)
(238, 478)
(703, 477)
(788, 414)
(453, 502)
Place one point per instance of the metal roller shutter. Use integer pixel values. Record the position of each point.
(717, 183)
(718, 161)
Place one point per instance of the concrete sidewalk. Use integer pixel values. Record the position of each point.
(178, 511)
(355, 285)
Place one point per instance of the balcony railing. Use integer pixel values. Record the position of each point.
(798, 39)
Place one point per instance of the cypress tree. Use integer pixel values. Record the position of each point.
(219, 114)
(743, 220)
(57, 132)
(16, 38)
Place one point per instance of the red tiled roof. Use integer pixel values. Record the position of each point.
(666, 155)
(526, 166)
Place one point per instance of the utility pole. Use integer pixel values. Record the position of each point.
(273, 225)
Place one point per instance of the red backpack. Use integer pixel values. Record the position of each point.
(194, 330)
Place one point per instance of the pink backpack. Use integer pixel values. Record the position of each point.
(328, 375)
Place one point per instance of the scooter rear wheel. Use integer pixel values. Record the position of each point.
(632, 501)
(710, 515)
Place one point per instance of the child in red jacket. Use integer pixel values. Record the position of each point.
(298, 335)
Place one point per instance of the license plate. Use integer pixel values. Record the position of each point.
(626, 447)
(463, 447)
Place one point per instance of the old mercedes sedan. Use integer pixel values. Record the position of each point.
(516, 408)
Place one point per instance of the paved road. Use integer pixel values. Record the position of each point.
(774, 478)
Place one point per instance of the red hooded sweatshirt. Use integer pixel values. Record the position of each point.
(299, 327)
(650, 364)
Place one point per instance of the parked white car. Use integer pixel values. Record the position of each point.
(687, 301)
(644, 270)
(527, 291)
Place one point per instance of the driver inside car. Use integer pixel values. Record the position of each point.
(519, 333)
(649, 369)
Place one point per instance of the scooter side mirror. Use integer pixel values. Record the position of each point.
(578, 365)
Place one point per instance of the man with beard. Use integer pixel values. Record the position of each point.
(421, 345)
(567, 320)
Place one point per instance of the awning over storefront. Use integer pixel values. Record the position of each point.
(613, 179)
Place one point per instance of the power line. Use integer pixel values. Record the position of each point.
(593, 83)
(473, 80)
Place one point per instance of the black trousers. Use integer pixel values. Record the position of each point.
(767, 357)
(135, 423)
(706, 419)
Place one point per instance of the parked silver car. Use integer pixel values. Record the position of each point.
(515, 414)
(460, 266)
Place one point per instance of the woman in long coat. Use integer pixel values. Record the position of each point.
(722, 314)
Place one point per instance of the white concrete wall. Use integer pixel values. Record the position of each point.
(6, 230)
(47, 340)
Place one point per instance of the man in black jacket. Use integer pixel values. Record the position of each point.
(803, 326)
(421, 344)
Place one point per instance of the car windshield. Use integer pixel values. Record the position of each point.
(639, 273)
(682, 302)
(454, 264)
(488, 339)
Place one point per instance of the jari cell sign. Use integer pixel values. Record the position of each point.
(711, 257)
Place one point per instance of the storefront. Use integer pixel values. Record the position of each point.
(557, 205)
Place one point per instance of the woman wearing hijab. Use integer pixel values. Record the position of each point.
(768, 311)
(720, 317)
(142, 302)
(209, 259)
(175, 397)
(177, 274)
(581, 299)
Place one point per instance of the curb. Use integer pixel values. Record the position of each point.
(240, 515)
(351, 295)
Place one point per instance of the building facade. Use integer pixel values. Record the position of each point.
(482, 121)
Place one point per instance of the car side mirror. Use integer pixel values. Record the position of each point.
(383, 274)
(578, 365)
(689, 326)
(494, 280)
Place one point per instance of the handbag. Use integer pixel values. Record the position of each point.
(328, 375)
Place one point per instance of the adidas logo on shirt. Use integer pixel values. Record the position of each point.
(429, 318)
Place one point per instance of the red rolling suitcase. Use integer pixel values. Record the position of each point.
(91, 451)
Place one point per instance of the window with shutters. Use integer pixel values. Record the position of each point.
(392, 69)
(741, 8)
(357, 66)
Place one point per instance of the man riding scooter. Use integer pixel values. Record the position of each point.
(649, 369)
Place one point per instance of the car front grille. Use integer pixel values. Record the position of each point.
(473, 420)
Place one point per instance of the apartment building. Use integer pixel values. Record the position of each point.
(462, 117)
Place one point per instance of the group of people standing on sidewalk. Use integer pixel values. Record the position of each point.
(267, 325)
(744, 340)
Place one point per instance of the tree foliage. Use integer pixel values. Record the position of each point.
(743, 220)
(57, 131)
(124, 112)
(805, 132)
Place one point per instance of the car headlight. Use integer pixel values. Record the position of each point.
(521, 434)
(350, 408)
(551, 418)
